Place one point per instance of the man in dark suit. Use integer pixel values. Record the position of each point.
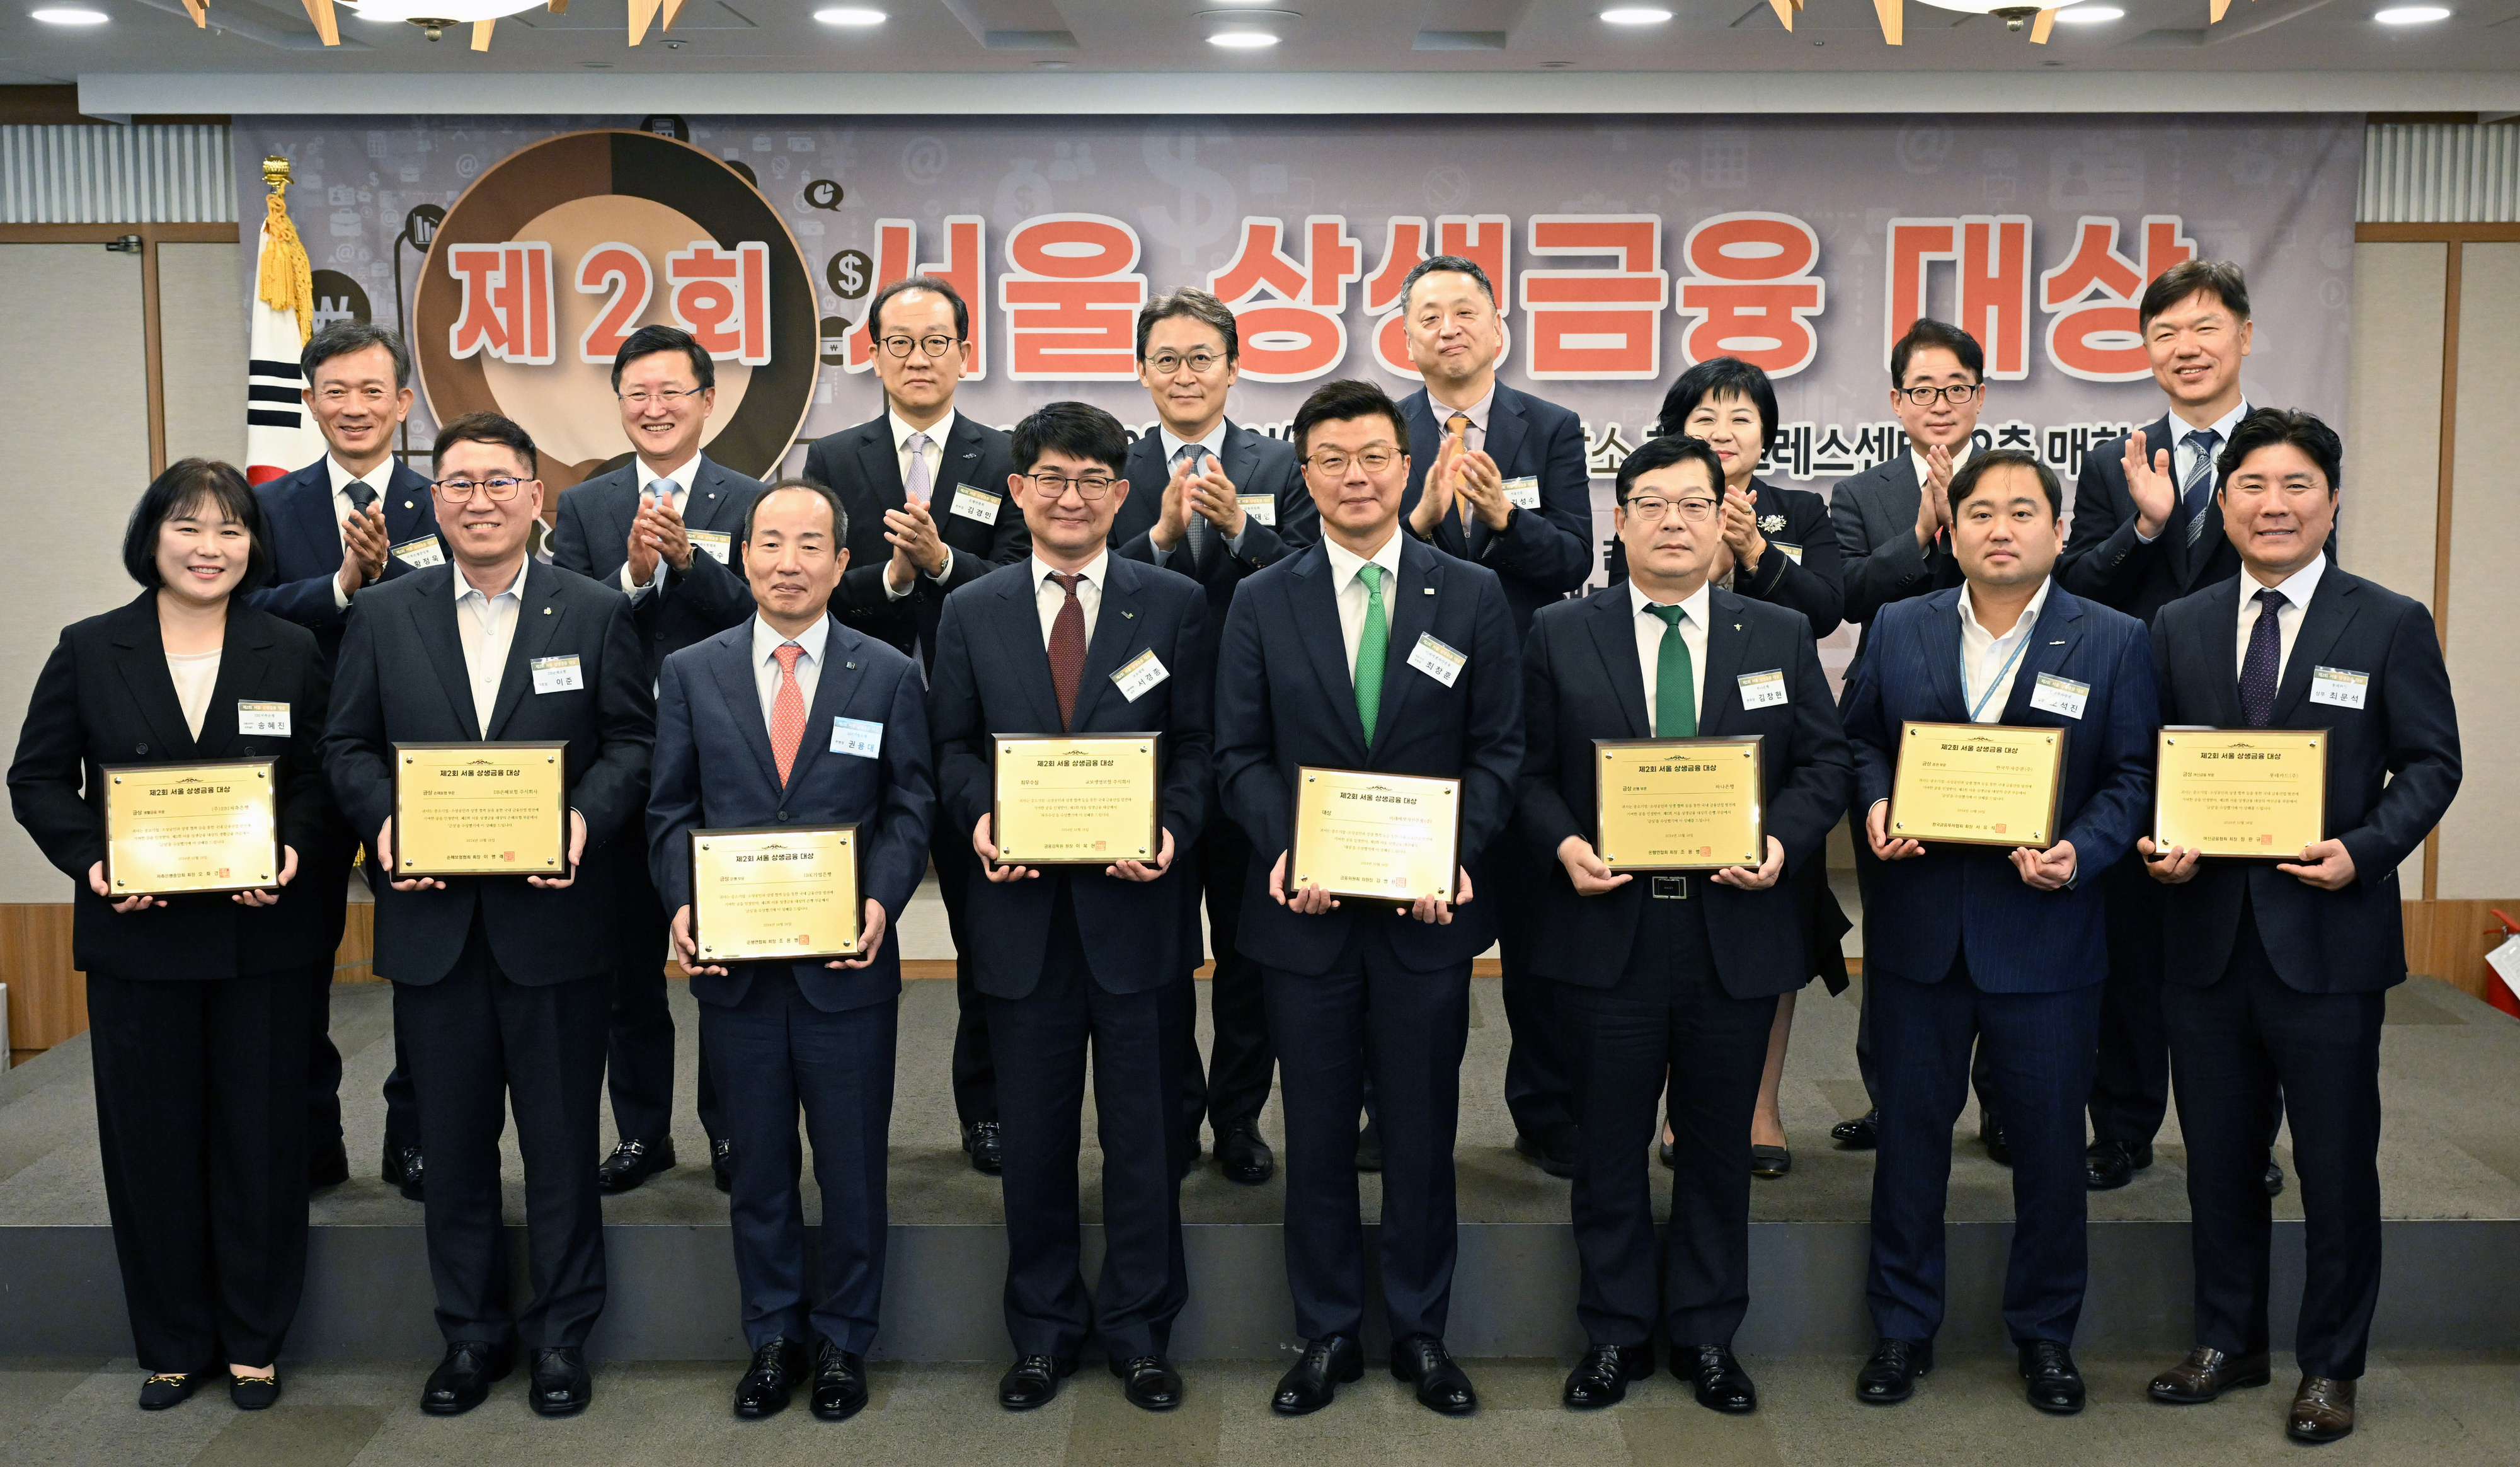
(792, 719)
(1216, 502)
(1512, 492)
(2278, 971)
(1369, 651)
(1071, 956)
(1670, 976)
(357, 518)
(661, 528)
(1969, 942)
(924, 491)
(502, 986)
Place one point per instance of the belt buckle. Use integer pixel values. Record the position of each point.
(1671, 888)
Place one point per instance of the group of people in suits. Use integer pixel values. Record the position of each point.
(1383, 590)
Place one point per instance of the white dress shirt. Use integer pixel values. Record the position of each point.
(1348, 587)
(1048, 597)
(1476, 438)
(934, 454)
(1692, 636)
(765, 660)
(487, 625)
(2183, 456)
(2297, 588)
(1988, 664)
(376, 478)
(681, 479)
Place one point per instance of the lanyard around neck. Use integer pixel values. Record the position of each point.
(2001, 673)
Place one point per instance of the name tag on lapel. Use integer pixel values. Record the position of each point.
(422, 553)
(716, 544)
(1793, 553)
(2339, 687)
(1437, 661)
(975, 504)
(857, 736)
(557, 674)
(1259, 508)
(1524, 492)
(2060, 695)
(1138, 673)
(1763, 689)
(266, 720)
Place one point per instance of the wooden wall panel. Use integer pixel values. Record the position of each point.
(47, 997)
(2449, 939)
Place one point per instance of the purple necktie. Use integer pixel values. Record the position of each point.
(2260, 669)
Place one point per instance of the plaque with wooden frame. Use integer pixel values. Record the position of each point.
(775, 892)
(1977, 784)
(480, 810)
(172, 829)
(2255, 794)
(1679, 804)
(1382, 836)
(1071, 800)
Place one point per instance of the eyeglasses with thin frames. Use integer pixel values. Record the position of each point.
(670, 397)
(1650, 510)
(932, 347)
(1957, 394)
(1371, 461)
(460, 491)
(1055, 485)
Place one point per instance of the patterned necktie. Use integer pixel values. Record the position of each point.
(1201, 533)
(1068, 648)
(1458, 425)
(787, 711)
(2261, 667)
(2200, 480)
(1675, 680)
(918, 488)
(1370, 647)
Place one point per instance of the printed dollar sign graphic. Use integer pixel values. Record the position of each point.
(1206, 211)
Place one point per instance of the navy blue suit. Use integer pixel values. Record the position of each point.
(1284, 698)
(1955, 943)
(800, 1035)
(2273, 982)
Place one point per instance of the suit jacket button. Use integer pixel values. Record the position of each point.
(140, 748)
(782, 817)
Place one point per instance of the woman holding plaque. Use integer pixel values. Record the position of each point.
(201, 920)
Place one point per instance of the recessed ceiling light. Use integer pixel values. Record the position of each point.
(1636, 14)
(2089, 14)
(2411, 14)
(1242, 40)
(850, 14)
(65, 17)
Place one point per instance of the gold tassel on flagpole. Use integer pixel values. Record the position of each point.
(288, 279)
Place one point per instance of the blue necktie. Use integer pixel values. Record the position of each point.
(2260, 669)
(2200, 480)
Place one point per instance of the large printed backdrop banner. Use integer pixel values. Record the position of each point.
(1622, 250)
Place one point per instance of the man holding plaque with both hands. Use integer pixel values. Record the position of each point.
(1664, 920)
(769, 737)
(2004, 734)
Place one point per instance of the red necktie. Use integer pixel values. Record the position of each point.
(1068, 648)
(787, 711)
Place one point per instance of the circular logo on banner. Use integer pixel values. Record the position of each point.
(558, 251)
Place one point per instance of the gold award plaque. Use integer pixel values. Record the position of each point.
(1064, 801)
(1977, 784)
(1394, 837)
(2247, 792)
(1678, 804)
(211, 827)
(782, 892)
(480, 810)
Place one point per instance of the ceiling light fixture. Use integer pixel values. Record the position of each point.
(449, 12)
(1242, 40)
(851, 14)
(2090, 15)
(1636, 15)
(65, 17)
(2411, 14)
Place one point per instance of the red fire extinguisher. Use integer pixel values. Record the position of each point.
(2503, 966)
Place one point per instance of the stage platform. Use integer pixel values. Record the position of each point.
(2449, 1166)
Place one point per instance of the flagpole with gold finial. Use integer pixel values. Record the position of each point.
(288, 282)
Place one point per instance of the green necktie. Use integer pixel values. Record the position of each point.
(1370, 648)
(1675, 681)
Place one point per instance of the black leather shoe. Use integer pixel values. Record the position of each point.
(463, 1380)
(1326, 1364)
(2055, 1382)
(1721, 1383)
(2322, 1411)
(722, 1164)
(169, 1389)
(1033, 1380)
(2274, 1179)
(327, 1167)
(402, 1170)
(1551, 1150)
(1662, 1154)
(1771, 1161)
(2110, 1164)
(561, 1385)
(763, 1391)
(633, 1162)
(1369, 1148)
(839, 1384)
(1601, 1379)
(1149, 1382)
(1861, 1134)
(987, 1148)
(1442, 1386)
(1243, 1155)
(1890, 1376)
(1998, 1150)
(253, 1393)
(2207, 1373)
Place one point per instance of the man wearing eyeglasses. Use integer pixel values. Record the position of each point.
(662, 528)
(1084, 956)
(1216, 502)
(924, 490)
(502, 984)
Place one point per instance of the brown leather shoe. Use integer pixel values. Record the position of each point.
(2206, 1373)
(2322, 1410)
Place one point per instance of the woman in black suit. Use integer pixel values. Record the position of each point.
(197, 1004)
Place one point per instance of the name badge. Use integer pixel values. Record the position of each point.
(1259, 508)
(557, 674)
(973, 504)
(717, 545)
(269, 721)
(1437, 661)
(2339, 687)
(1793, 553)
(857, 736)
(1763, 689)
(1138, 673)
(2060, 695)
(1523, 493)
(421, 554)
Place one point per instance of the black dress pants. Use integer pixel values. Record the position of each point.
(639, 1059)
(1241, 1064)
(2130, 1083)
(2233, 1043)
(1539, 1087)
(201, 1114)
(975, 1072)
(1867, 865)
(1669, 1015)
(478, 1042)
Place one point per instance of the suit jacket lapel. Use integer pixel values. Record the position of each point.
(1614, 636)
(241, 655)
(410, 512)
(1315, 595)
(1727, 642)
(1241, 456)
(1019, 642)
(1506, 429)
(1941, 638)
(959, 463)
(838, 680)
(143, 665)
(433, 616)
(1413, 614)
(880, 463)
(314, 536)
(708, 500)
(539, 615)
(2323, 622)
(1119, 630)
(2051, 643)
(732, 669)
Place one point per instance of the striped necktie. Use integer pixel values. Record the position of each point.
(1203, 535)
(2200, 480)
